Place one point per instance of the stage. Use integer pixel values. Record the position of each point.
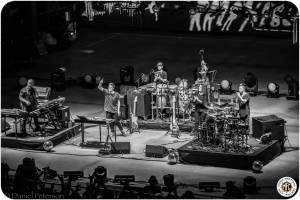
(269, 65)
(36, 142)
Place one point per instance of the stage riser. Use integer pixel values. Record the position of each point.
(38, 144)
(163, 125)
(230, 160)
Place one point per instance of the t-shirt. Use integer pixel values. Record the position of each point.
(244, 107)
(111, 101)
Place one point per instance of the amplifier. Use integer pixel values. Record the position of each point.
(156, 151)
(120, 148)
(269, 123)
(143, 105)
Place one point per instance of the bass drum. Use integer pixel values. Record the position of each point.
(161, 101)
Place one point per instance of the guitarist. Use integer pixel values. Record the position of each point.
(112, 104)
(28, 102)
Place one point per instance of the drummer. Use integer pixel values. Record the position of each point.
(161, 76)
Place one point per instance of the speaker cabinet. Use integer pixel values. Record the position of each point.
(120, 148)
(269, 123)
(156, 151)
(143, 105)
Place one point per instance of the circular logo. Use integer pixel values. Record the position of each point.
(286, 186)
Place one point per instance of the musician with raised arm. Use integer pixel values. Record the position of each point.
(112, 105)
(29, 103)
(243, 99)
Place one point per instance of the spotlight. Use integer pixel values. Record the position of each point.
(293, 87)
(273, 90)
(22, 81)
(88, 81)
(250, 185)
(172, 157)
(100, 174)
(257, 166)
(251, 83)
(226, 87)
(48, 145)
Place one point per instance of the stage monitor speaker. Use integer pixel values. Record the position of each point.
(4, 125)
(269, 123)
(156, 151)
(120, 148)
(127, 75)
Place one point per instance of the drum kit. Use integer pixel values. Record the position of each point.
(223, 127)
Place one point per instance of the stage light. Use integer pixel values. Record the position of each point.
(172, 157)
(88, 81)
(48, 145)
(22, 81)
(293, 87)
(250, 185)
(257, 166)
(273, 90)
(251, 83)
(226, 87)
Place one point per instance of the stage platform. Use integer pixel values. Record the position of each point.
(159, 124)
(193, 153)
(36, 142)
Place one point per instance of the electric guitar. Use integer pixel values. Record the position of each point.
(174, 128)
(134, 118)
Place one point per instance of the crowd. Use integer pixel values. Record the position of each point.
(29, 182)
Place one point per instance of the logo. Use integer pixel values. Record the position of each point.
(286, 186)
